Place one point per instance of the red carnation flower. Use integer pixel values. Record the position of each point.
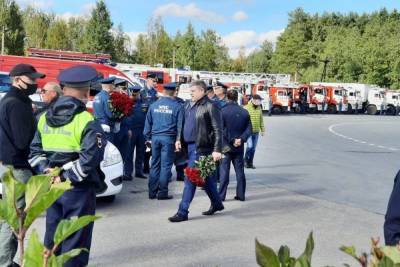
(120, 105)
(193, 174)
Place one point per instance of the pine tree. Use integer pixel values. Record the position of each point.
(98, 36)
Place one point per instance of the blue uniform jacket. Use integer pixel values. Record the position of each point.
(236, 124)
(148, 95)
(101, 109)
(165, 117)
(138, 117)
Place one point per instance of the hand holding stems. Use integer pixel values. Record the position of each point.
(178, 146)
(216, 156)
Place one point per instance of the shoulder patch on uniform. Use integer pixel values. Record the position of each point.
(99, 142)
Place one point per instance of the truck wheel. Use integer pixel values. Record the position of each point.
(372, 110)
(276, 110)
(350, 109)
(312, 110)
(297, 109)
(391, 111)
(332, 109)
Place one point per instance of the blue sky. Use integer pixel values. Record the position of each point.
(239, 22)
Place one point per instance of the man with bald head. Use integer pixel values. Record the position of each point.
(50, 92)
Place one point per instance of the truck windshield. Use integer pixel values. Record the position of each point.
(319, 91)
(338, 92)
(281, 93)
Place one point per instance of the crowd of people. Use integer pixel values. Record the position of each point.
(162, 130)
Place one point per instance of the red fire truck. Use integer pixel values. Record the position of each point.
(52, 66)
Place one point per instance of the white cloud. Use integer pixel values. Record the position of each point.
(250, 40)
(86, 9)
(188, 11)
(240, 16)
(39, 4)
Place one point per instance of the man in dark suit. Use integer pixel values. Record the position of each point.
(236, 130)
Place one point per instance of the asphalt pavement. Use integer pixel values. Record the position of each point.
(330, 174)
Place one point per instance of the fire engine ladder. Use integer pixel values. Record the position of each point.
(242, 78)
(66, 55)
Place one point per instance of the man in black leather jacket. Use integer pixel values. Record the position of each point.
(203, 134)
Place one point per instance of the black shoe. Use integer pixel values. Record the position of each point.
(165, 198)
(252, 166)
(237, 198)
(177, 218)
(127, 178)
(213, 210)
(141, 176)
(152, 197)
(247, 165)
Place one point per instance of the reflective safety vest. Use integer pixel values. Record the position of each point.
(66, 138)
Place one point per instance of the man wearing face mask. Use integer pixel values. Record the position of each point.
(257, 123)
(17, 128)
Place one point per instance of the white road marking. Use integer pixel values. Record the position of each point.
(331, 129)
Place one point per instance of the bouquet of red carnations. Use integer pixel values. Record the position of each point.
(204, 167)
(120, 105)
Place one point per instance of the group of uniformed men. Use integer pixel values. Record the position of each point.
(65, 135)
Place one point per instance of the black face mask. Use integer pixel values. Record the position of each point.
(30, 88)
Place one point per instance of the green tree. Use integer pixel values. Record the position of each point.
(36, 24)
(209, 46)
(260, 59)
(186, 47)
(76, 33)
(141, 49)
(98, 36)
(121, 46)
(11, 20)
(57, 36)
(239, 64)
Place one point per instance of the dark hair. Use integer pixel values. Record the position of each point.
(232, 95)
(201, 84)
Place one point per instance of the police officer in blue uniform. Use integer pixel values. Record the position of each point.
(136, 143)
(70, 138)
(148, 95)
(236, 130)
(101, 107)
(210, 93)
(220, 90)
(163, 128)
(120, 130)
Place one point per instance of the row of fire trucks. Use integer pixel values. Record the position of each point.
(328, 97)
(279, 94)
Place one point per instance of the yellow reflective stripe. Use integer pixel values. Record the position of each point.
(66, 138)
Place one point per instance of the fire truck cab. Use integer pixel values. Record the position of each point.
(275, 98)
(336, 99)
